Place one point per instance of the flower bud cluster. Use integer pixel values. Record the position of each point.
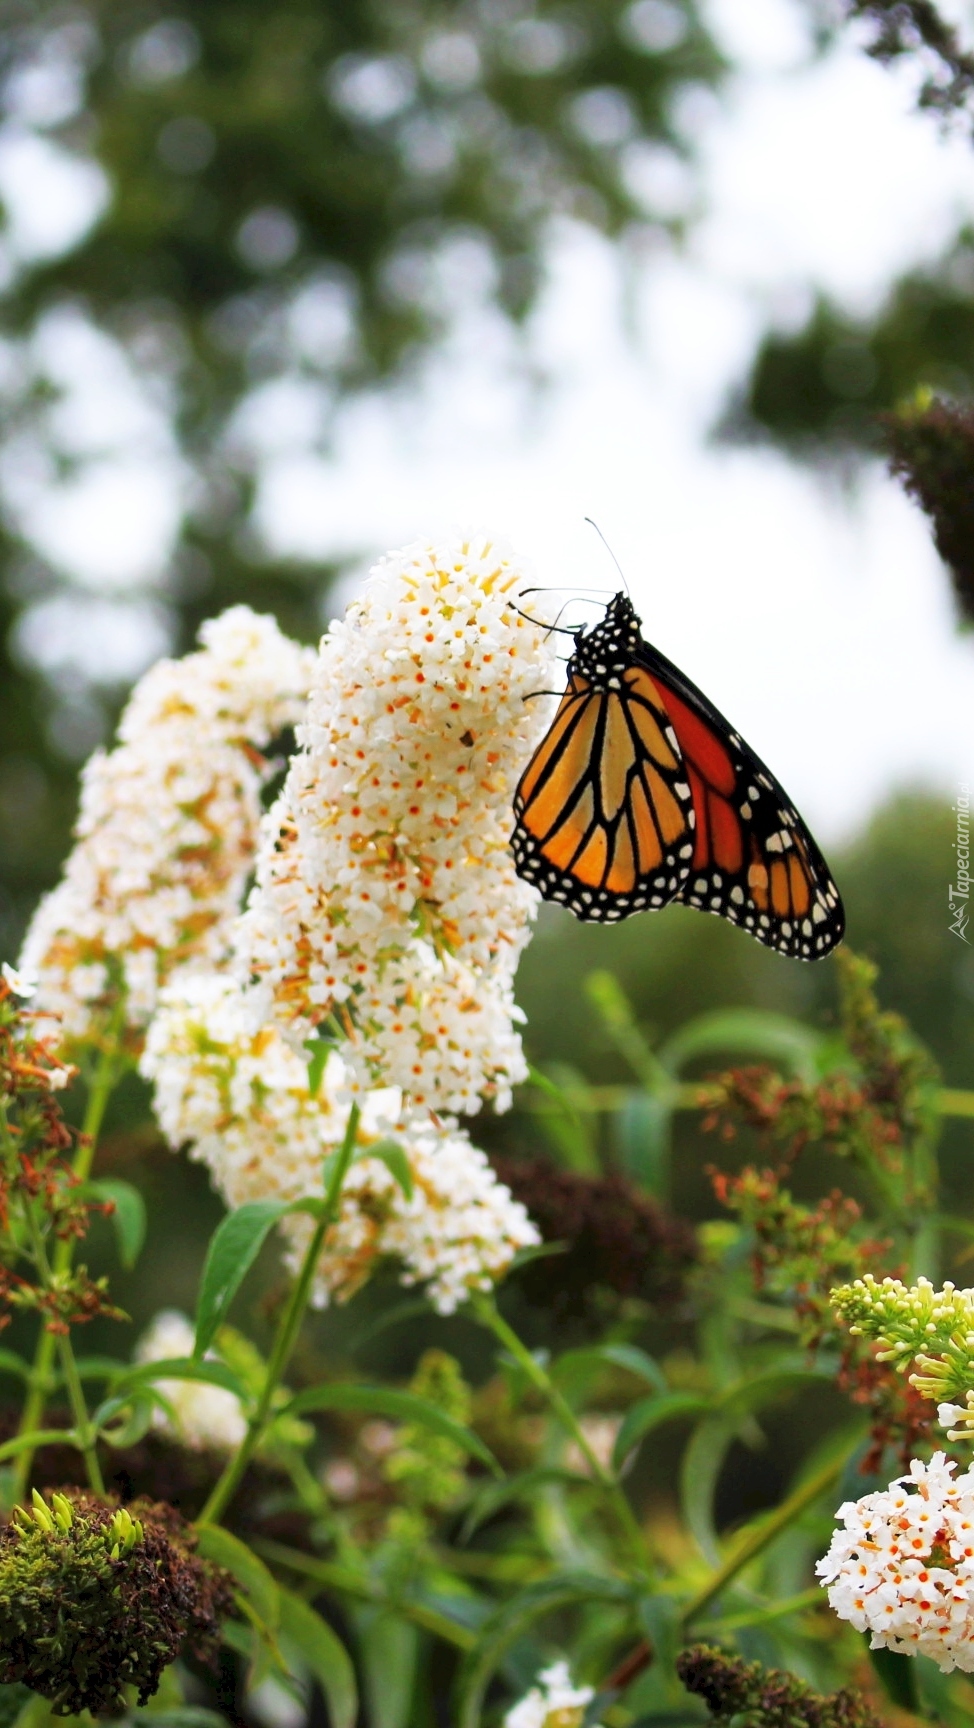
(168, 825)
(901, 1565)
(934, 1328)
(386, 893)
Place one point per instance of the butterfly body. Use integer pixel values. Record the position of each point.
(641, 793)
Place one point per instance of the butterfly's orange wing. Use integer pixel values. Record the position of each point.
(604, 812)
(754, 861)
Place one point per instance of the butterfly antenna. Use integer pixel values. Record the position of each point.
(529, 618)
(612, 555)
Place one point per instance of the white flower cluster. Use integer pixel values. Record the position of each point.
(553, 1701)
(386, 892)
(205, 1416)
(958, 1419)
(168, 826)
(240, 1097)
(901, 1566)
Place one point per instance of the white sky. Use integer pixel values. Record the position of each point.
(823, 627)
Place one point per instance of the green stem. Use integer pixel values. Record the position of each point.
(761, 1538)
(287, 1333)
(69, 1368)
(349, 1583)
(487, 1311)
(79, 1410)
(40, 1383)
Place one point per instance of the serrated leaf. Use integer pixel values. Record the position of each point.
(651, 1413)
(393, 1156)
(410, 1309)
(12, 1700)
(576, 1364)
(699, 1472)
(242, 1563)
(11, 1363)
(40, 1437)
(896, 1674)
(324, 1654)
(512, 1620)
(234, 1246)
(185, 1716)
(568, 1133)
(99, 1368)
(744, 1032)
(494, 1496)
(641, 1129)
(388, 1648)
(210, 1373)
(750, 1394)
(141, 1407)
(129, 1217)
(659, 1617)
(401, 1406)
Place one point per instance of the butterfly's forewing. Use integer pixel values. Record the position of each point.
(603, 812)
(754, 861)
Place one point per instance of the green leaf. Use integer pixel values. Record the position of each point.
(401, 1406)
(512, 1620)
(641, 1127)
(11, 1363)
(659, 1617)
(494, 1496)
(183, 1368)
(186, 1716)
(388, 1650)
(750, 1394)
(568, 1133)
(394, 1158)
(651, 1413)
(577, 1365)
(897, 1676)
(699, 1473)
(319, 1049)
(251, 1574)
(40, 1437)
(234, 1246)
(324, 1654)
(12, 1700)
(400, 1312)
(137, 1423)
(745, 1032)
(99, 1368)
(129, 1217)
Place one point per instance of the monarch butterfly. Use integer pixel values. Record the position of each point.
(641, 793)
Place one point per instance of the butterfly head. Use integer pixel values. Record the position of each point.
(604, 653)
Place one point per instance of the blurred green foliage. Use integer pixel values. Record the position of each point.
(304, 192)
(818, 390)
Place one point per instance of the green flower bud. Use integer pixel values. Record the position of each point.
(94, 1599)
(916, 1323)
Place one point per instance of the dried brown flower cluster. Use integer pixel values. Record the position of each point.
(95, 1597)
(617, 1239)
(882, 1113)
(915, 28)
(799, 1254)
(36, 1179)
(931, 450)
(760, 1697)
